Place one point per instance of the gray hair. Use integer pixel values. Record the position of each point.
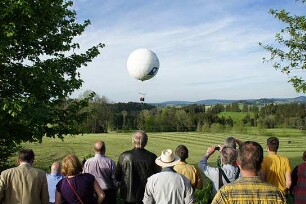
(229, 155)
(230, 142)
(140, 139)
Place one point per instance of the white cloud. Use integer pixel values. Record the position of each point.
(210, 56)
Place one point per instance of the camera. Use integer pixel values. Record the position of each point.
(217, 148)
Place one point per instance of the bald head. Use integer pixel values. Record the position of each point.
(99, 147)
(140, 139)
(56, 167)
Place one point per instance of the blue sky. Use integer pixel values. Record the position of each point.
(207, 49)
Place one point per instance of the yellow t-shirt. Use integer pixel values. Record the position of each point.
(276, 167)
(190, 172)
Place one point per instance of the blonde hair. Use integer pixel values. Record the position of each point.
(71, 165)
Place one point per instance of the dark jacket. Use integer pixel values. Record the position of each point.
(133, 169)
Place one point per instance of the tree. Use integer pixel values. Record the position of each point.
(98, 120)
(182, 120)
(218, 108)
(245, 108)
(290, 55)
(235, 107)
(39, 64)
(124, 114)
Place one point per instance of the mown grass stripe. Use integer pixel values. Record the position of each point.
(197, 142)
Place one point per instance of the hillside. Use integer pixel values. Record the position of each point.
(261, 101)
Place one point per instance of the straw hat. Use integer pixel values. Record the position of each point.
(167, 158)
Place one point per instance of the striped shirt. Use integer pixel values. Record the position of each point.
(249, 190)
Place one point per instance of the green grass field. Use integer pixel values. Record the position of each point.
(51, 149)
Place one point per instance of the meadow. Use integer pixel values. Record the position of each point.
(54, 149)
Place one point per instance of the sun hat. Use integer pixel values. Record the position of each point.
(167, 158)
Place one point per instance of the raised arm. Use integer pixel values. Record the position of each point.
(239, 142)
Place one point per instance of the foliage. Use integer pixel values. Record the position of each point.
(236, 116)
(290, 115)
(125, 117)
(7, 150)
(216, 127)
(239, 127)
(203, 196)
(99, 117)
(290, 54)
(39, 70)
(234, 107)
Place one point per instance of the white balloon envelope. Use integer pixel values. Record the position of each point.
(142, 64)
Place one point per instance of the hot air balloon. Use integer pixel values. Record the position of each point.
(142, 64)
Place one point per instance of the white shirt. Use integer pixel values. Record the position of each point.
(168, 187)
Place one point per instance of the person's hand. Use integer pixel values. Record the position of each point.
(221, 147)
(210, 150)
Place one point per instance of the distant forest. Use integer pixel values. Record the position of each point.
(123, 117)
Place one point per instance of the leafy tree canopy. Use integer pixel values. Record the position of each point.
(290, 55)
(39, 64)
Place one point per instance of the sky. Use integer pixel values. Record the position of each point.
(207, 49)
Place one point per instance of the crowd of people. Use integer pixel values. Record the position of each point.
(242, 175)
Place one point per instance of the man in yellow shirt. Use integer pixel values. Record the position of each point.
(275, 169)
(189, 171)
